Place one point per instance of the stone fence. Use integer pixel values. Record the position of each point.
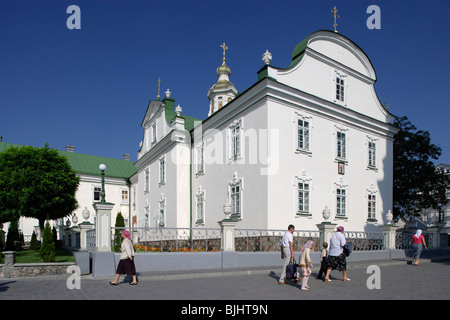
(11, 269)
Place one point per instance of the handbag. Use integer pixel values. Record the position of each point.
(291, 269)
(348, 248)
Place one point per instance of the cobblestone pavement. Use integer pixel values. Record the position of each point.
(399, 281)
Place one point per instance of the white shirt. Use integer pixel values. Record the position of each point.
(337, 243)
(288, 237)
(127, 250)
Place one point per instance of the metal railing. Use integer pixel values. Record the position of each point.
(258, 240)
(403, 240)
(248, 240)
(90, 239)
(365, 241)
(172, 239)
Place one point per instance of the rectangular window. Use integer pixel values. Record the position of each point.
(339, 88)
(200, 160)
(303, 197)
(97, 192)
(371, 206)
(340, 202)
(236, 199)
(162, 171)
(341, 146)
(147, 180)
(236, 141)
(372, 154)
(153, 132)
(162, 213)
(303, 134)
(124, 196)
(200, 208)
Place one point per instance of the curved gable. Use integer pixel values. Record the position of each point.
(342, 50)
(331, 67)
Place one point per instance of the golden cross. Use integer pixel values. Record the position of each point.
(224, 47)
(334, 11)
(159, 87)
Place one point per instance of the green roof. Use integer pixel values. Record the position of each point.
(87, 164)
(299, 50)
(189, 122)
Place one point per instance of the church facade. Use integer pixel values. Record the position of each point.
(309, 137)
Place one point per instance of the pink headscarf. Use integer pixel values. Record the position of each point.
(308, 244)
(126, 234)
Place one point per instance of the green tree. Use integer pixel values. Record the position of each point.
(34, 244)
(120, 223)
(36, 183)
(417, 183)
(13, 235)
(47, 251)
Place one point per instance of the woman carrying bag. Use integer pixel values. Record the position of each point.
(336, 256)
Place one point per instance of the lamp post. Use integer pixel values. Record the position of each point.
(440, 206)
(102, 168)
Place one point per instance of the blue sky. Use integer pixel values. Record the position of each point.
(91, 87)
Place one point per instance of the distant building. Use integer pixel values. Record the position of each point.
(116, 186)
(441, 215)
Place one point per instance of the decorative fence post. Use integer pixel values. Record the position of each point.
(103, 225)
(389, 231)
(228, 225)
(84, 227)
(326, 228)
(436, 236)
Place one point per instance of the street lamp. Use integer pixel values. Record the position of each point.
(102, 168)
(439, 206)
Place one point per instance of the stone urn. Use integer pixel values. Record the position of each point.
(326, 213)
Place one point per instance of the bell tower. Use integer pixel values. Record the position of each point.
(223, 91)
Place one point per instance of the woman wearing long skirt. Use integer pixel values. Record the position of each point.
(336, 256)
(418, 241)
(126, 263)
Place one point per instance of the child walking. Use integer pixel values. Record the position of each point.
(304, 263)
(323, 260)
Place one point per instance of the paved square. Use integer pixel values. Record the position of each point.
(398, 282)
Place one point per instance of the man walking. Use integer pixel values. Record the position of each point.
(287, 251)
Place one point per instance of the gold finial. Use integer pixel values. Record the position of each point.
(159, 89)
(334, 11)
(224, 47)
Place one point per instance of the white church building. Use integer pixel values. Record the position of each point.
(305, 138)
(309, 137)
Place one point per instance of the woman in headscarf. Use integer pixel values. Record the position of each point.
(305, 262)
(418, 240)
(336, 256)
(126, 263)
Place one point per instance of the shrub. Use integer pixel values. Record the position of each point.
(47, 251)
(34, 243)
(120, 223)
(13, 236)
